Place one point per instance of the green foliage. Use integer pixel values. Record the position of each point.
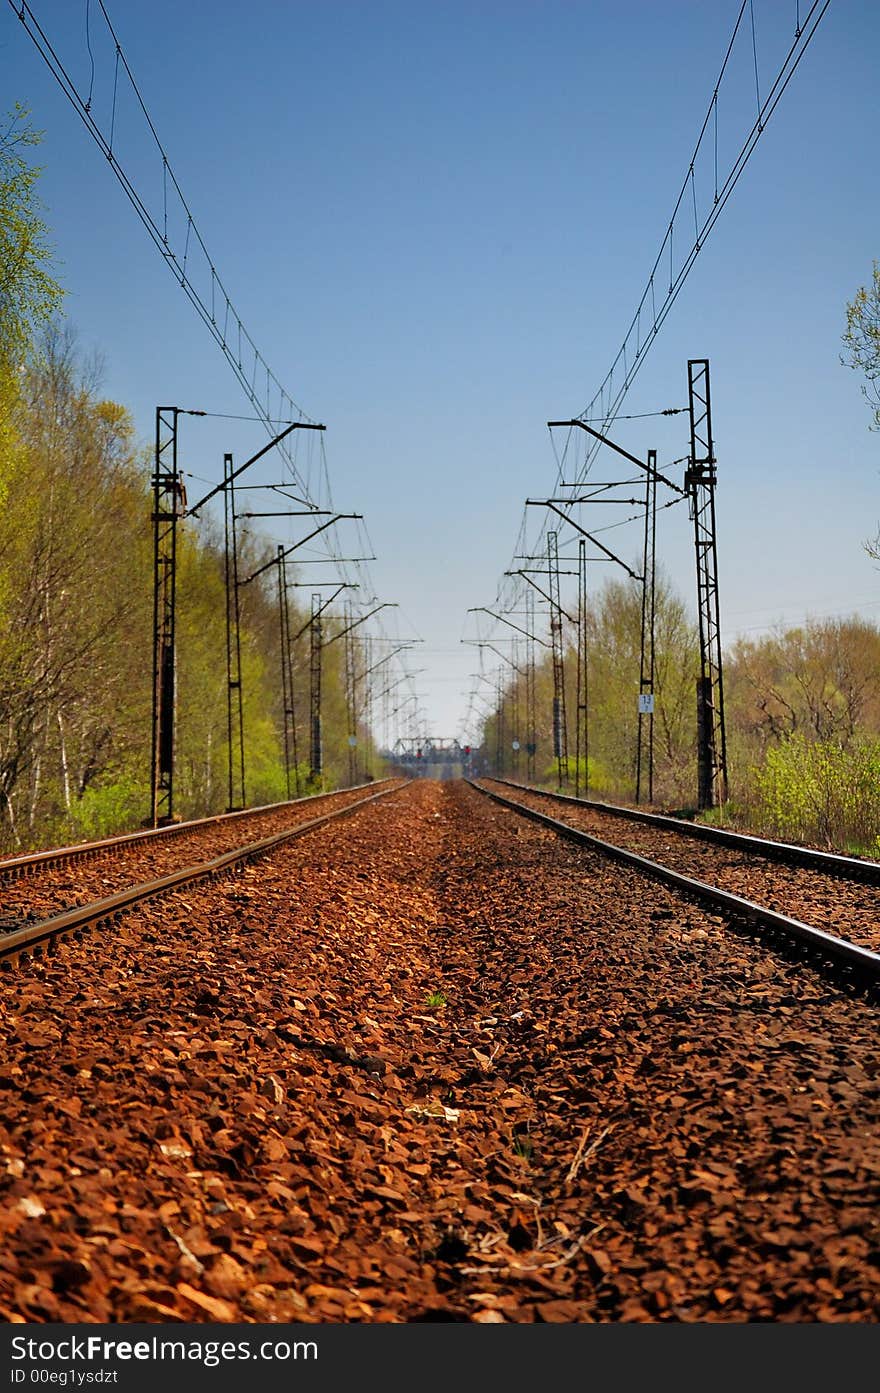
(523, 1147)
(819, 791)
(861, 340)
(76, 591)
(267, 782)
(29, 293)
(76, 583)
(821, 680)
(434, 999)
(584, 772)
(72, 695)
(107, 809)
(613, 650)
(803, 721)
(601, 783)
(549, 775)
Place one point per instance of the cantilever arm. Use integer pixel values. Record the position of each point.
(537, 587)
(481, 609)
(545, 503)
(387, 604)
(301, 543)
(498, 654)
(320, 611)
(401, 648)
(297, 425)
(649, 469)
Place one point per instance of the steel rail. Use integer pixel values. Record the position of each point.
(55, 856)
(736, 906)
(34, 939)
(830, 862)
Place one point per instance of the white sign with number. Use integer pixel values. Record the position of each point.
(646, 703)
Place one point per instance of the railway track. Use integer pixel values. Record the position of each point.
(831, 863)
(437, 1063)
(41, 883)
(794, 899)
(32, 863)
(145, 852)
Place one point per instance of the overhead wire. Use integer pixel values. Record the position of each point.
(236, 343)
(783, 77)
(610, 395)
(639, 416)
(245, 373)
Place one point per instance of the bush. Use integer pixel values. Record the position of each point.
(821, 792)
(108, 809)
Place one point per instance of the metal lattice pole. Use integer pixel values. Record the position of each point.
(581, 731)
(282, 650)
(169, 505)
(560, 726)
(645, 734)
(700, 480)
(515, 712)
(288, 698)
(316, 751)
(532, 738)
(234, 703)
(351, 712)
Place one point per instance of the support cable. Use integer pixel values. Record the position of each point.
(606, 401)
(244, 363)
(626, 353)
(175, 232)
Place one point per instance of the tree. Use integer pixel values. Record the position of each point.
(862, 340)
(820, 682)
(803, 710)
(28, 293)
(74, 612)
(613, 640)
(614, 616)
(862, 344)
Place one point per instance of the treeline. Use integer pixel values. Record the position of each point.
(805, 733)
(76, 592)
(76, 632)
(802, 717)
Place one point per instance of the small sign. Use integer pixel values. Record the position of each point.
(352, 741)
(646, 703)
(514, 745)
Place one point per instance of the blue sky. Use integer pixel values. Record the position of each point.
(436, 221)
